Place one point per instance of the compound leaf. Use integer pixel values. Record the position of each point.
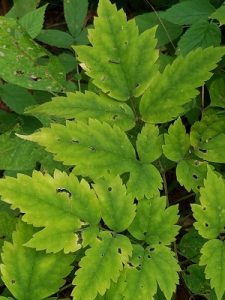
(120, 61)
(149, 223)
(58, 204)
(20, 60)
(20, 8)
(166, 96)
(31, 274)
(149, 143)
(208, 136)
(84, 106)
(177, 141)
(210, 214)
(188, 12)
(101, 264)
(117, 208)
(149, 268)
(213, 253)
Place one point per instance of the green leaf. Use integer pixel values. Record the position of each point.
(201, 34)
(105, 258)
(84, 106)
(30, 274)
(7, 226)
(217, 92)
(149, 268)
(117, 208)
(149, 143)
(20, 60)
(58, 204)
(33, 21)
(120, 61)
(166, 96)
(210, 214)
(190, 245)
(177, 141)
(191, 174)
(219, 15)
(166, 31)
(208, 136)
(56, 38)
(68, 61)
(195, 280)
(16, 97)
(213, 253)
(75, 12)
(21, 8)
(188, 12)
(149, 223)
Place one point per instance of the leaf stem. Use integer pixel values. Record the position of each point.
(164, 182)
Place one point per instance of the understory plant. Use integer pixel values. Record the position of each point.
(104, 220)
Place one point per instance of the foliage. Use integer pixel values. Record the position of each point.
(98, 147)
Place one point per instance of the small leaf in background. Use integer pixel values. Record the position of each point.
(16, 97)
(68, 61)
(219, 15)
(149, 223)
(31, 274)
(75, 12)
(188, 12)
(20, 60)
(217, 92)
(210, 213)
(7, 226)
(177, 141)
(33, 21)
(213, 253)
(165, 33)
(190, 245)
(56, 38)
(194, 278)
(21, 8)
(116, 204)
(191, 174)
(201, 34)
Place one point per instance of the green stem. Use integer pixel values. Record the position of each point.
(162, 171)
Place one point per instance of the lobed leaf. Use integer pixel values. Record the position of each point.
(210, 214)
(31, 274)
(58, 204)
(84, 106)
(117, 207)
(120, 61)
(149, 223)
(101, 264)
(166, 96)
(177, 141)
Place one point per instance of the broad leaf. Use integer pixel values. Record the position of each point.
(33, 21)
(219, 15)
(194, 279)
(213, 253)
(166, 31)
(101, 264)
(57, 38)
(31, 274)
(75, 12)
(149, 268)
(201, 34)
(149, 223)
(191, 174)
(208, 136)
(58, 204)
(149, 143)
(20, 60)
(84, 106)
(120, 61)
(217, 92)
(117, 208)
(7, 226)
(167, 94)
(177, 141)
(210, 214)
(21, 7)
(188, 12)
(96, 148)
